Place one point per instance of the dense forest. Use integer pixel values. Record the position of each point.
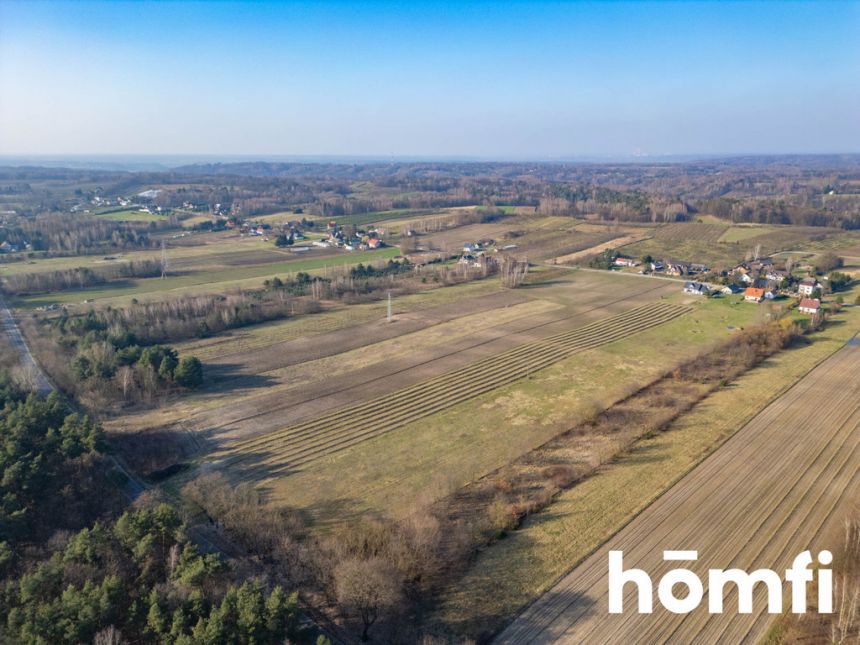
(77, 565)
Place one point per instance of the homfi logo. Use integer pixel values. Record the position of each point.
(672, 586)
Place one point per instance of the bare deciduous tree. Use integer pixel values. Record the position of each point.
(368, 588)
(513, 272)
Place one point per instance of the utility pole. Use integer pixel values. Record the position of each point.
(164, 261)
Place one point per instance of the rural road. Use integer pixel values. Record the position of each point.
(646, 276)
(40, 381)
(773, 490)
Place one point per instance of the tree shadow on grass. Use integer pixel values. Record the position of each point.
(229, 377)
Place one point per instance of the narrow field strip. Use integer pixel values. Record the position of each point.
(297, 445)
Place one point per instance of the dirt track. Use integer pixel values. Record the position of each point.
(769, 493)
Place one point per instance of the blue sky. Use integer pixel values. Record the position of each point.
(486, 79)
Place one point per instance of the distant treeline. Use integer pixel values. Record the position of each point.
(811, 190)
(79, 278)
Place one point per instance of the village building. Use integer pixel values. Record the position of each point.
(809, 306)
(625, 262)
(753, 294)
(677, 267)
(807, 287)
(696, 288)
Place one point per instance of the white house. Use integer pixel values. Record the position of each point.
(806, 287)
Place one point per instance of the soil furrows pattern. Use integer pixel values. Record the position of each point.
(766, 495)
(297, 445)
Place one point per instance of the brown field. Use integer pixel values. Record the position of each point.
(771, 491)
(294, 446)
(573, 258)
(687, 231)
(275, 379)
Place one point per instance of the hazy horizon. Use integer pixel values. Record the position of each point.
(526, 81)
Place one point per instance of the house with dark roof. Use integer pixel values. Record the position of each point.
(696, 289)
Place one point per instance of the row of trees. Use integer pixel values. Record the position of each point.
(176, 319)
(76, 234)
(79, 278)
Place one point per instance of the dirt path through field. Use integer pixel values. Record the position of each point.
(571, 258)
(766, 495)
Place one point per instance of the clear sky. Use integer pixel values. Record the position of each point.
(490, 79)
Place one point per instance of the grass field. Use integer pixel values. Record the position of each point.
(294, 446)
(210, 249)
(742, 233)
(267, 334)
(363, 219)
(131, 215)
(468, 390)
(440, 453)
(518, 569)
(723, 246)
(205, 281)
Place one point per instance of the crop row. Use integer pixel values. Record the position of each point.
(304, 442)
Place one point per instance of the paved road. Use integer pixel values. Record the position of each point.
(769, 493)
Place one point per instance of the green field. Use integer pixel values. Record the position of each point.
(131, 215)
(741, 233)
(216, 280)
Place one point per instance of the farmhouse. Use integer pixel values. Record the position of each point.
(760, 265)
(621, 261)
(777, 275)
(806, 287)
(677, 267)
(810, 306)
(696, 288)
(753, 295)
